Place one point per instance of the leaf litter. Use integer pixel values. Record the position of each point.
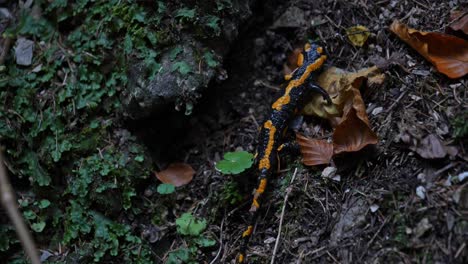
(347, 114)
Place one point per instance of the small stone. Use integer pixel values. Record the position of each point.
(408, 230)
(38, 68)
(269, 240)
(462, 176)
(422, 227)
(374, 208)
(377, 111)
(337, 178)
(24, 51)
(415, 97)
(329, 172)
(421, 192)
(422, 177)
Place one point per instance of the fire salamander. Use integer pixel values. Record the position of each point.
(298, 90)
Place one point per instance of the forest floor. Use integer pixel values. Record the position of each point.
(389, 204)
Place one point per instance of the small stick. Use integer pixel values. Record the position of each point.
(288, 191)
(220, 241)
(8, 202)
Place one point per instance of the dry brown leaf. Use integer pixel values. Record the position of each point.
(177, 174)
(447, 53)
(352, 134)
(459, 22)
(314, 151)
(347, 114)
(336, 81)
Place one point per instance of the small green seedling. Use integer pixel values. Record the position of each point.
(187, 224)
(235, 162)
(166, 188)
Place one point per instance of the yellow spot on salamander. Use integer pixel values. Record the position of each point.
(307, 47)
(241, 258)
(284, 100)
(288, 77)
(248, 232)
(300, 59)
(255, 205)
(265, 161)
(262, 186)
(320, 50)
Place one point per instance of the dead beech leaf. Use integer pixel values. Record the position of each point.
(177, 174)
(352, 134)
(336, 82)
(459, 22)
(347, 114)
(447, 53)
(314, 151)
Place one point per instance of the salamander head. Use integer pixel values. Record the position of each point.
(312, 53)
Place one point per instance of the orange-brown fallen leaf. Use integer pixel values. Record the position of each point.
(347, 115)
(447, 53)
(314, 151)
(177, 174)
(459, 22)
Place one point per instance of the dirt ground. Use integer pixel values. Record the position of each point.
(373, 213)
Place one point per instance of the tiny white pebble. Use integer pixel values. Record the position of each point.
(374, 208)
(421, 192)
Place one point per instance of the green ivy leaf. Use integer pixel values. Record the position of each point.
(181, 255)
(187, 224)
(166, 188)
(29, 215)
(182, 67)
(140, 158)
(185, 13)
(235, 162)
(44, 203)
(205, 242)
(212, 22)
(174, 52)
(38, 227)
(210, 59)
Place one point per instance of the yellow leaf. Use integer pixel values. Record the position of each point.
(358, 35)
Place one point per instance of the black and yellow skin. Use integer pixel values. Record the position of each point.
(298, 91)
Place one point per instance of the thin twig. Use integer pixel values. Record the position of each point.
(8, 201)
(220, 241)
(288, 191)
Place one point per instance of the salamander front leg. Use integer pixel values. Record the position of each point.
(320, 90)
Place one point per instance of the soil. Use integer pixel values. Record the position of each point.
(373, 214)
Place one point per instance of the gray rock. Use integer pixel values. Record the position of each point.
(171, 86)
(24, 51)
(293, 17)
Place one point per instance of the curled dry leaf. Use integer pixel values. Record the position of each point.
(314, 151)
(347, 114)
(447, 53)
(177, 174)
